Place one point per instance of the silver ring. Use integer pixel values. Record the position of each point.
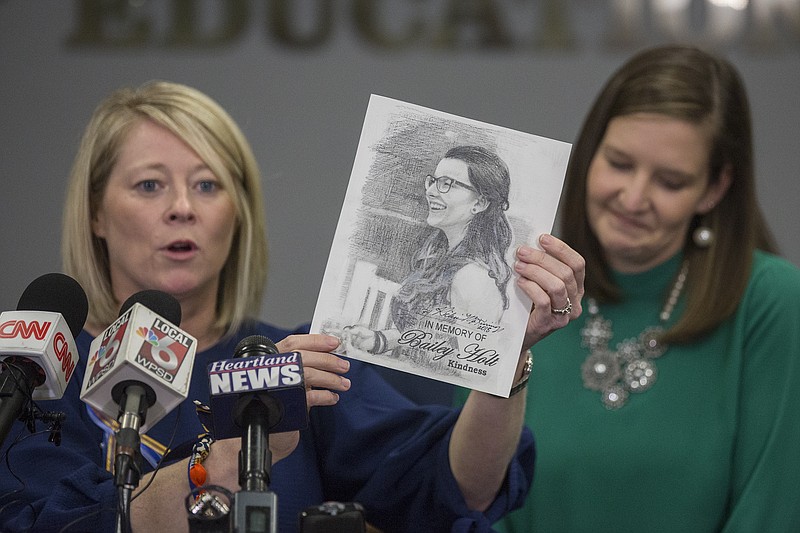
(567, 310)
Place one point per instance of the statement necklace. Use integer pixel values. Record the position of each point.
(631, 367)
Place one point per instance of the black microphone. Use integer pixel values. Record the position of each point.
(37, 346)
(139, 370)
(140, 365)
(257, 373)
(259, 391)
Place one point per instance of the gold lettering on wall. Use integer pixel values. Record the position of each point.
(187, 32)
(282, 24)
(371, 19)
(762, 25)
(109, 24)
(471, 23)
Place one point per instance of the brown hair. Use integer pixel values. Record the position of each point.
(689, 84)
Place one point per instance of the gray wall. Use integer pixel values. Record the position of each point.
(302, 107)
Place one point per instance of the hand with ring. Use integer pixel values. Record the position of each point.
(553, 279)
(567, 309)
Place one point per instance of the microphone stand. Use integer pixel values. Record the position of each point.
(134, 399)
(255, 507)
(18, 378)
(124, 503)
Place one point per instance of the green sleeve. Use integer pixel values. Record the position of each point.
(766, 461)
(460, 395)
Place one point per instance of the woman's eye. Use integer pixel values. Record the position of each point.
(208, 186)
(672, 185)
(619, 165)
(147, 185)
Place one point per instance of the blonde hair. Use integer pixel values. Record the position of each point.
(206, 128)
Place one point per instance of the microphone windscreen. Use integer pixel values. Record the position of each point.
(57, 293)
(257, 370)
(255, 345)
(159, 302)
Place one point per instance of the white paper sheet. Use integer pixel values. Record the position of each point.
(444, 314)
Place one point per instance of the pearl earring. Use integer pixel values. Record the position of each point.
(703, 236)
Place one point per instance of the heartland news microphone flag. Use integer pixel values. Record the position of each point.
(392, 262)
(140, 346)
(257, 368)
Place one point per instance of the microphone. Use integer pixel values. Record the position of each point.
(142, 349)
(257, 373)
(139, 370)
(37, 345)
(141, 364)
(259, 391)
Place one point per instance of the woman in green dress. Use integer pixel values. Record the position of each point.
(672, 403)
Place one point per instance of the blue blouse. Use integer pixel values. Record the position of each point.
(374, 447)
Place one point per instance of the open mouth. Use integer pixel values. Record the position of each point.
(436, 206)
(182, 246)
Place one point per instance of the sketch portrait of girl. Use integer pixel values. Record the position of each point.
(461, 264)
(421, 275)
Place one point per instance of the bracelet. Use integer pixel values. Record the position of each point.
(381, 343)
(526, 374)
(197, 472)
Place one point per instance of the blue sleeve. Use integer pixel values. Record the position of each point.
(44, 487)
(390, 455)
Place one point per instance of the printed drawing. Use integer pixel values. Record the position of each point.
(420, 274)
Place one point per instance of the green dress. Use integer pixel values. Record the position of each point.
(714, 445)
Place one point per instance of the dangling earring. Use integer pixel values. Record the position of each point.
(703, 236)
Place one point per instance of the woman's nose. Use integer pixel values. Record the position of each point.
(633, 195)
(181, 207)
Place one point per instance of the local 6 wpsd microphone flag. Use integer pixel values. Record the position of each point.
(45, 338)
(140, 342)
(279, 375)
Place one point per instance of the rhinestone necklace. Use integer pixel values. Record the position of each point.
(631, 367)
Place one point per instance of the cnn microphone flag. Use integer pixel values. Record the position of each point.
(45, 338)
